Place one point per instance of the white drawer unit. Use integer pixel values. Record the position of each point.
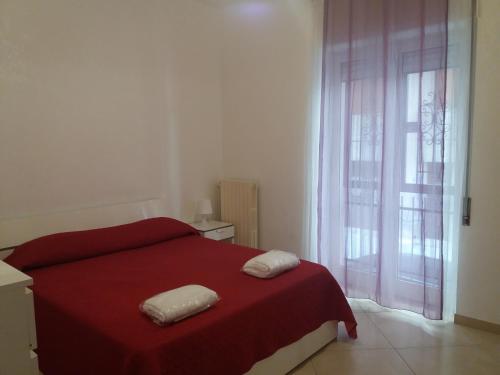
(17, 323)
(216, 230)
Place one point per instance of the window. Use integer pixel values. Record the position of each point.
(423, 122)
(424, 132)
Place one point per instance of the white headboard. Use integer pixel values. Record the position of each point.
(15, 231)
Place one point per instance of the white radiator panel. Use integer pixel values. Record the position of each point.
(239, 206)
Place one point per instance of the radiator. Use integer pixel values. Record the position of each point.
(238, 205)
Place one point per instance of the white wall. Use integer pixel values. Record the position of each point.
(266, 86)
(108, 101)
(479, 260)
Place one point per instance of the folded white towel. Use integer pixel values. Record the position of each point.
(177, 304)
(271, 264)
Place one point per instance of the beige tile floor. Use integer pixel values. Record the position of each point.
(399, 342)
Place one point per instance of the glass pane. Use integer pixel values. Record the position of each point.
(361, 243)
(355, 137)
(411, 158)
(431, 151)
(412, 88)
(412, 95)
(418, 237)
(428, 105)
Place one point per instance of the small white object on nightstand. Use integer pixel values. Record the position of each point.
(17, 323)
(215, 230)
(205, 210)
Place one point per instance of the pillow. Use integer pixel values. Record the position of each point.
(177, 304)
(271, 264)
(70, 246)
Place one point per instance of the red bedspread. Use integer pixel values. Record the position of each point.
(88, 321)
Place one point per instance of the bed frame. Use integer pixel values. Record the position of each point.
(290, 356)
(14, 231)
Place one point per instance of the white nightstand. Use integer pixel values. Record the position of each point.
(216, 230)
(17, 323)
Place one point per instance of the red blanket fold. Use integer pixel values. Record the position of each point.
(88, 320)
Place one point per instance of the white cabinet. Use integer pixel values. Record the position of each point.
(17, 323)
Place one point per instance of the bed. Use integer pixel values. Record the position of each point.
(88, 286)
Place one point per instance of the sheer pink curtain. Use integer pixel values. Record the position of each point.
(381, 157)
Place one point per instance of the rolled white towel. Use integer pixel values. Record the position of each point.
(178, 304)
(271, 264)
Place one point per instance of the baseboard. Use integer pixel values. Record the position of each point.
(477, 323)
